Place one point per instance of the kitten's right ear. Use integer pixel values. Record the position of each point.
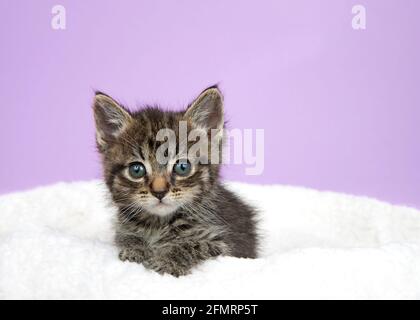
(110, 119)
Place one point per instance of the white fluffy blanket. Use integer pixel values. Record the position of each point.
(56, 242)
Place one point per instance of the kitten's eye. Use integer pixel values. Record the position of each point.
(137, 170)
(182, 168)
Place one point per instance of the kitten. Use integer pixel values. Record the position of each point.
(173, 215)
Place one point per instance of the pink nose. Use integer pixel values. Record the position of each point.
(159, 187)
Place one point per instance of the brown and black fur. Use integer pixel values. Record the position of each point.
(208, 221)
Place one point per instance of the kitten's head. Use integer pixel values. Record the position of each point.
(143, 179)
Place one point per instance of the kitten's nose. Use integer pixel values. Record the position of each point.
(159, 195)
(159, 187)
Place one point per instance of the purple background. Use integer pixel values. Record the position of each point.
(340, 107)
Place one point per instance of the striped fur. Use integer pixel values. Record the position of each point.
(202, 219)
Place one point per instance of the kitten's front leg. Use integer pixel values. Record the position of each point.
(178, 259)
(132, 248)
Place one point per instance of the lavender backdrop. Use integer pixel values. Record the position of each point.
(340, 107)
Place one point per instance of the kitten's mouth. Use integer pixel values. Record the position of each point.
(162, 208)
(160, 204)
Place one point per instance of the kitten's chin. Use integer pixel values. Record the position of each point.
(162, 209)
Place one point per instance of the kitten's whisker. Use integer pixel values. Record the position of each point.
(216, 215)
(128, 210)
(210, 214)
(199, 215)
(132, 215)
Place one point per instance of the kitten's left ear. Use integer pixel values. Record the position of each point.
(207, 110)
(110, 118)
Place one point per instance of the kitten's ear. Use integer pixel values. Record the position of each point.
(207, 110)
(110, 118)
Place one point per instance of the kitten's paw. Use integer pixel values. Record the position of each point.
(163, 266)
(132, 255)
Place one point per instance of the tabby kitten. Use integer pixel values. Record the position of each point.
(173, 215)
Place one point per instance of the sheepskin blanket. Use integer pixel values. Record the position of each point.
(56, 242)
